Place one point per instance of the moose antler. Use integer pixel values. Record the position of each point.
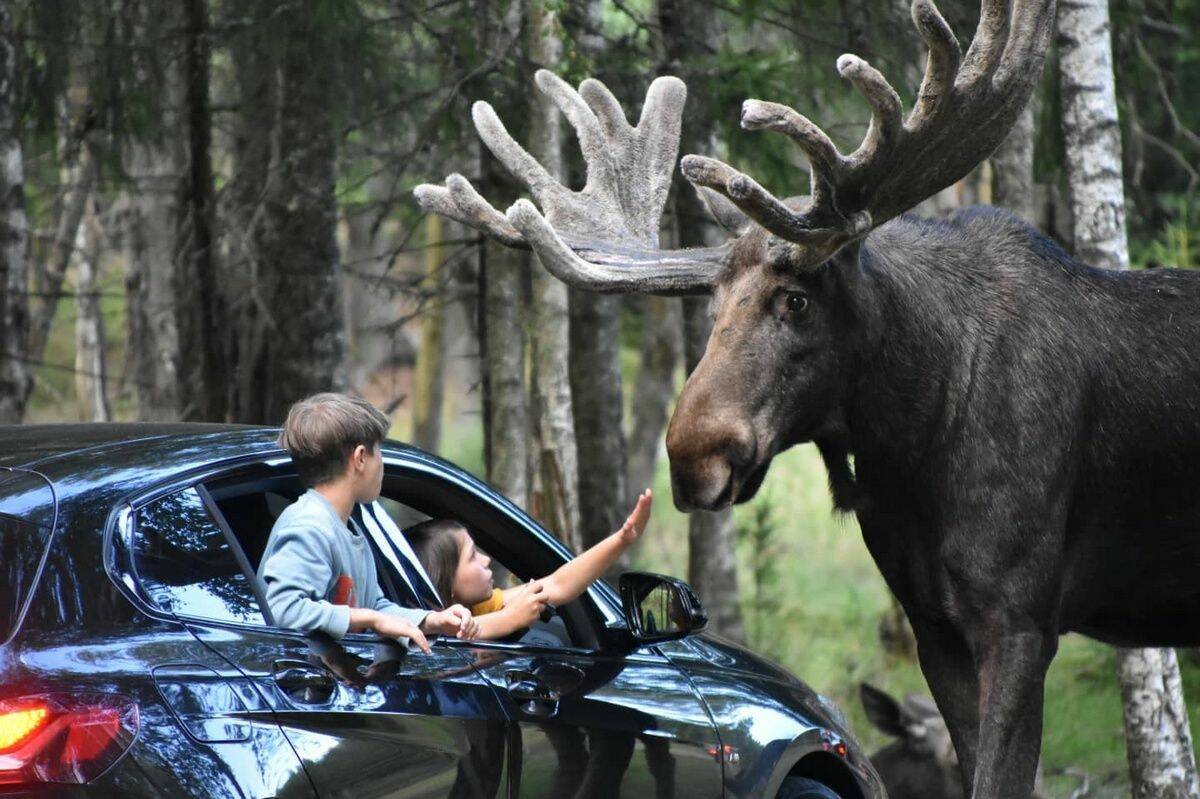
(964, 109)
(604, 237)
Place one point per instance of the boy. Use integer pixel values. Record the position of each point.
(318, 572)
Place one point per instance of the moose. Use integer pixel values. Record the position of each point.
(1017, 433)
(920, 763)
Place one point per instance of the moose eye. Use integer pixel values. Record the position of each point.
(797, 302)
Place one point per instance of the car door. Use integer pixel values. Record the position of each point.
(213, 729)
(365, 718)
(591, 721)
(601, 724)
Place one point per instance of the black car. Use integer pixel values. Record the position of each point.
(138, 658)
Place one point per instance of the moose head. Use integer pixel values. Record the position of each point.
(785, 341)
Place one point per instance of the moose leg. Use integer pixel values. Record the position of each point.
(949, 670)
(1012, 670)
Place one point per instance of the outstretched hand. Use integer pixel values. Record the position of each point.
(635, 525)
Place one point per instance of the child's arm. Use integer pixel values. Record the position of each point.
(520, 610)
(573, 577)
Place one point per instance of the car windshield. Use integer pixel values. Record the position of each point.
(28, 513)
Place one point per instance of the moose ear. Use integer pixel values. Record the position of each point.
(882, 710)
(726, 214)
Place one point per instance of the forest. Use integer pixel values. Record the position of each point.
(207, 213)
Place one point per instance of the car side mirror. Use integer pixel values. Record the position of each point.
(660, 608)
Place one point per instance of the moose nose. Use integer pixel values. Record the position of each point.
(709, 459)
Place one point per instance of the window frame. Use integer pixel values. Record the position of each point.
(118, 538)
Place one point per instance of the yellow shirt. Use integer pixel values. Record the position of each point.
(490, 605)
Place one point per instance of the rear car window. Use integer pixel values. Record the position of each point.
(185, 564)
(27, 518)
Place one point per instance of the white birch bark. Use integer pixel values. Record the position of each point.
(1157, 735)
(557, 460)
(90, 373)
(1093, 137)
(15, 374)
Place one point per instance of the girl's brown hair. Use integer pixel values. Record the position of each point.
(436, 544)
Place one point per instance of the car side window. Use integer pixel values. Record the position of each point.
(185, 564)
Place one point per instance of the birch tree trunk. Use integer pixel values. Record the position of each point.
(557, 502)
(15, 372)
(1158, 740)
(90, 373)
(428, 381)
(689, 33)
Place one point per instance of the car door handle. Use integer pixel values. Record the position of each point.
(533, 696)
(307, 685)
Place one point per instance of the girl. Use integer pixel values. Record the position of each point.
(460, 573)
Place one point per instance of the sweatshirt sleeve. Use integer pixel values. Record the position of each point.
(296, 571)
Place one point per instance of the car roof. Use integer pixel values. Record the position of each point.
(125, 458)
(26, 444)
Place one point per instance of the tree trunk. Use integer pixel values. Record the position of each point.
(1091, 133)
(654, 388)
(198, 307)
(1012, 168)
(15, 372)
(156, 166)
(90, 374)
(596, 391)
(557, 502)
(1157, 735)
(291, 341)
(688, 32)
(77, 177)
(428, 381)
(599, 413)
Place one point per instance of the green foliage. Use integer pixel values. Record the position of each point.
(1176, 244)
(757, 542)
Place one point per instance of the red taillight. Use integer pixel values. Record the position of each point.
(63, 738)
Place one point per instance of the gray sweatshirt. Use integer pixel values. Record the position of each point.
(315, 569)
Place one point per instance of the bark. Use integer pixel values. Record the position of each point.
(15, 374)
(1012, 168)
(689, 32)
(654, 389)
(198, 305)
(428, 381)
(597, 399)
(557, 502)
(1091, 133)
(1157, 735)
(156, 167)
(291, 340)
(503, 349)
(599, 413)
(77, 177)
(90, 373)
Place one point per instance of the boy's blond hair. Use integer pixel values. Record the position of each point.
(322, 431)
